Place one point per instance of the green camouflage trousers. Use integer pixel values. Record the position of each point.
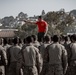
(55, 70)
(44, 69)
(30, 70)
(12, 69)
(2, 70)
(71, 69)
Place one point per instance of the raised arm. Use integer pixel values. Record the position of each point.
(28, 21)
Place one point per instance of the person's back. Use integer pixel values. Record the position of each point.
(35, 41)
(66, 42)
(72, 58)
(56, 57)
(5, 43)
(14, 50)
(30, 55)
(2, 60)
(55, 53)
(12, 56)
(30, 58)
(42, 48)
(2, 63)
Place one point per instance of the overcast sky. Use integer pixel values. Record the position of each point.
(33, 7)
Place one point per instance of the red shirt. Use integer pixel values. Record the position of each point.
(41, 26)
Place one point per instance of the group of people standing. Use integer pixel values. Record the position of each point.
(44, 55)
(53, 56)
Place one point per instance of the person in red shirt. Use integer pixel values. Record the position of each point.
(42, 27)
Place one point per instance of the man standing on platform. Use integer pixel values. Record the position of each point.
(42, 27)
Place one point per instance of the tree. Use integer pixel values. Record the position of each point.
(53, 18)
(26, 30)
(58, 21)
(67, 22)
(43, 13)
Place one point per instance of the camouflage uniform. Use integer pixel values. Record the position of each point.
(6, 46)
(29, 60)
(72, 64)
(30, 70)
(67, 47)
(12, 59)
(42, 49)
(56, 57)
(55, 70)
(71, 69)
(42, 52)
(2, 61)
(36, 44)
(5, 51)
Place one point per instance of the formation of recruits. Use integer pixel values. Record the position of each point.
(53, 56)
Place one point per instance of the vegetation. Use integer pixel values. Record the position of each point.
(26, 30)
(57, 21)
